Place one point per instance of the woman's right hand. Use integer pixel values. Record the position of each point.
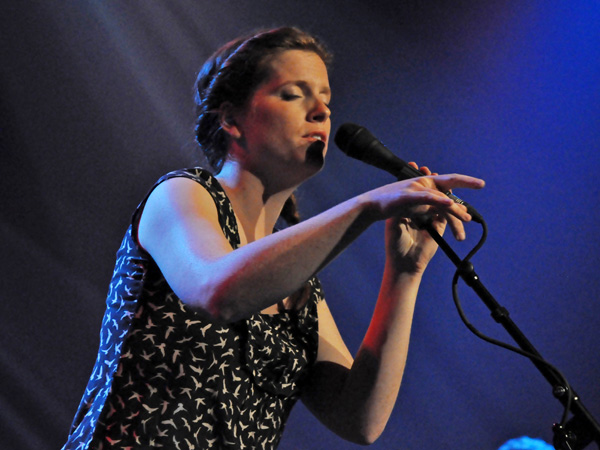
(417, 197)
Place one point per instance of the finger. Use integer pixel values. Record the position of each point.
(423, 196)
(433, 205)
(453, 212)
(441, 220)
(457, 227)
(426, 199)
(425, 170)
(453, 181)
(439, 204)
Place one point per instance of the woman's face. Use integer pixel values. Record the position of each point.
(286, 117)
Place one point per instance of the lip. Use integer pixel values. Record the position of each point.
(321, 134)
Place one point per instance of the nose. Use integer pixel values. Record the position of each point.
(320, 111)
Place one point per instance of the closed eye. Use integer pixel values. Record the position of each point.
(288, 97)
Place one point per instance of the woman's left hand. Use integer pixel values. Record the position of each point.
(411, 247)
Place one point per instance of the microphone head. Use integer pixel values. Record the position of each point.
(358, 142)
(353, 140)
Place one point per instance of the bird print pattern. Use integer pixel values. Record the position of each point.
(168, 377)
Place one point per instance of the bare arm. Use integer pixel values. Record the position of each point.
(355, 398)
(179, 228)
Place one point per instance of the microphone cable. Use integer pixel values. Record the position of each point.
(498, 343)
(359, 143)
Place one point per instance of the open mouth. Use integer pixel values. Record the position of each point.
(316, 137)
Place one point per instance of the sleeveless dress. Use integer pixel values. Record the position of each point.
(168, 377)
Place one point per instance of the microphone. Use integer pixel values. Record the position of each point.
(358, 142)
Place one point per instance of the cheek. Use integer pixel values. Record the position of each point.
(279, 124)
(274, 121)
(268, 120)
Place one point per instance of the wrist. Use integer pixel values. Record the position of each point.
(369, 208)
(405, 264)
(404, 271)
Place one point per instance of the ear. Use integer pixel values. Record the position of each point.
(227, 120)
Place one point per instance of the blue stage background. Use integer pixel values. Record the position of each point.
(96, 104)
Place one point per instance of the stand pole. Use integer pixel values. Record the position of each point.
(582, 429)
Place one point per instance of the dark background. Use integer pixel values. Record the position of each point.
(96, 104)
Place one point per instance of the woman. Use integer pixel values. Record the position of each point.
(215, 325)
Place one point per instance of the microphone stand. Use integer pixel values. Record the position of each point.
(582, 429)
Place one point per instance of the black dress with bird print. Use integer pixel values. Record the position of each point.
(168, 377)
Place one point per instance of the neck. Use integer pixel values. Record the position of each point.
(256, 207)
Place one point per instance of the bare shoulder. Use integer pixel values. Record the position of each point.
(178, 208)
(180, 193)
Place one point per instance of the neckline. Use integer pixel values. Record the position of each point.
(234, 228)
